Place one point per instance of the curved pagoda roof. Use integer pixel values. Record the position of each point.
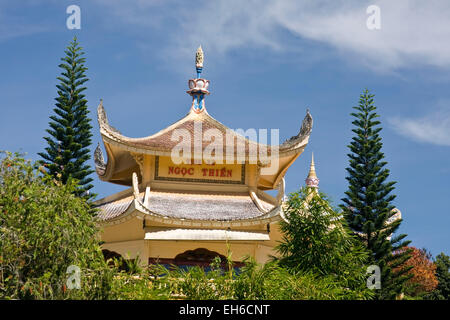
(124, 153)
(162, 144)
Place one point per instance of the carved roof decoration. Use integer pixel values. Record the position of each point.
(304, 132)
(100, 165)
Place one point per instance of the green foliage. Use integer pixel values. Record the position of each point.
(148, 284)
(368, 202)
(273, 282)
(442, 292)
(133, 266)
(44, 229)
(252, 282)
(68, 151)
(316, 239)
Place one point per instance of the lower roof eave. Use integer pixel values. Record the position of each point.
(271, 216)
(139, 211)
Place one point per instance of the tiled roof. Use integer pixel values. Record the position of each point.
(203, 207)
(165, 142)
(194, 206)
(113, 209)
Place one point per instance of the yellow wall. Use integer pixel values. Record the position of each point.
(239, 249)
(126, 231)
(127, 240)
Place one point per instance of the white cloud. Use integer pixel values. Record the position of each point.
(433, 128)
(413, 32)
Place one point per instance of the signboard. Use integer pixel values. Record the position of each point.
(165, 169)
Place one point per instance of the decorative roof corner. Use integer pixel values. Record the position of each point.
(304, 133)
(281, 191)
(99, 160)
(103, 120)
(135, 186)
(101, 115)
(307, 124)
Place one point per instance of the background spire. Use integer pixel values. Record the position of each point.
(312, 180)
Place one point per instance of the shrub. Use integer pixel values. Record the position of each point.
(44, 229)
(316, 239)
(252, 282)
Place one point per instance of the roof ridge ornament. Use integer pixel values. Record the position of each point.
(199, 61)
(198, 87)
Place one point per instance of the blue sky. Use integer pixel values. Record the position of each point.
(267, 62)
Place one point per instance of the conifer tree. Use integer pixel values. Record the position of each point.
(67, 152)
(442, 291)
(368, 206)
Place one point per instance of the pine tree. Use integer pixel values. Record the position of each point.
(368, 203)
(67, 152)
(442, 291)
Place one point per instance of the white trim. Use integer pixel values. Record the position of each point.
(202, 234)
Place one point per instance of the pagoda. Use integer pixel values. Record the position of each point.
(196, 189)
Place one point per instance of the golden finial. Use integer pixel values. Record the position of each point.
(199, 58)
(312, 168)
(312, 180)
